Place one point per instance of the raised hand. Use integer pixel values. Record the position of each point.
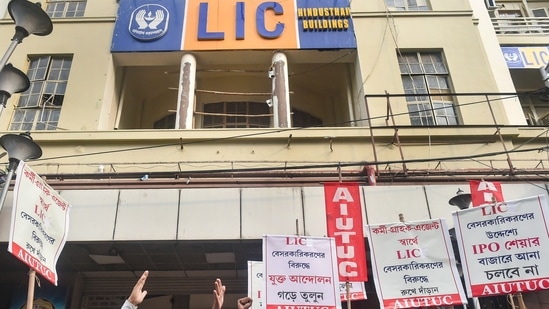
(219, 294)
(137, 295)
(244, 303)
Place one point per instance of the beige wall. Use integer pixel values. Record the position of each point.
(88, 39)
(244, 213)
(456, 36)
(97, 81)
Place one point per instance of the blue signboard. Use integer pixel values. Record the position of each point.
(175, 25)
(526, 57)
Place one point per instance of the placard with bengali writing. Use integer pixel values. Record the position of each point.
(39, 223)
(504, 247)
(300, 272)
(414, 265)
(256, 283)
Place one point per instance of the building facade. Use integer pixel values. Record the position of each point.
(183, 131)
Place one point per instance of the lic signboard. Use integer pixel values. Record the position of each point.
(526, 57)
(193, 25)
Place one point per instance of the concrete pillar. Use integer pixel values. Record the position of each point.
(281, 92)
(185, 99)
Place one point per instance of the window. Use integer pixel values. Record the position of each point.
(301, 119)
(39, 107)
(407, 5)
(426, 73)
(65, 8)
(236, 115)
(166, 122)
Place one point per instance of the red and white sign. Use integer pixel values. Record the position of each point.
(413, 265)
(344, 223)
(352, 291)
(504, 247)
(39, 223)
(300, 273)
(485, 192)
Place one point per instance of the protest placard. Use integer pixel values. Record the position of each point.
(300, 272)
(503, 246)
(39, 223)
(413, 265)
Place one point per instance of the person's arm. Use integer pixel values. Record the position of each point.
(128, 305)
(219, 294)
(244, 303)
(137, 295)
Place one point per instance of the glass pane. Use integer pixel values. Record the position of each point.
(407, 82)
(64, 74)
(429, 68)
(29, 116)
(18, 116)
(55, 115)
(61, 88)
(50, 87)
(71, 9)
(419, 85)
(58, 14)
(442, 82)
(39, 68)
(81, 8)
(440, 68)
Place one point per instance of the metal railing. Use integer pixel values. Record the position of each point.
(521, 25)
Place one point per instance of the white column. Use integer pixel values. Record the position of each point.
(185, 97)
(281, 92)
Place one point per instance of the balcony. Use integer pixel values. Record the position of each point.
(521, 25)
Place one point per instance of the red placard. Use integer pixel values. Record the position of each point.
(344, 223)
(484, 192)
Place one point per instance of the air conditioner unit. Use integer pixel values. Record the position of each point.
(544, 120)
(545, 75)
(540, 12)
(491, 4)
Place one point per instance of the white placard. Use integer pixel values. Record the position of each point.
(39, 223)
(504, 247)
(256, 283)
(300, 272)
(413, 265)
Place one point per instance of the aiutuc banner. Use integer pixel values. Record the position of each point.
(193, 25)
(344, 223)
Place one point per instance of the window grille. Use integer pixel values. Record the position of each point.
(65, 8)
(407, 5)
(236, 115)
(40, 106)
(426, 73)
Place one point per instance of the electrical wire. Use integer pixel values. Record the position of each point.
(234, 137)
